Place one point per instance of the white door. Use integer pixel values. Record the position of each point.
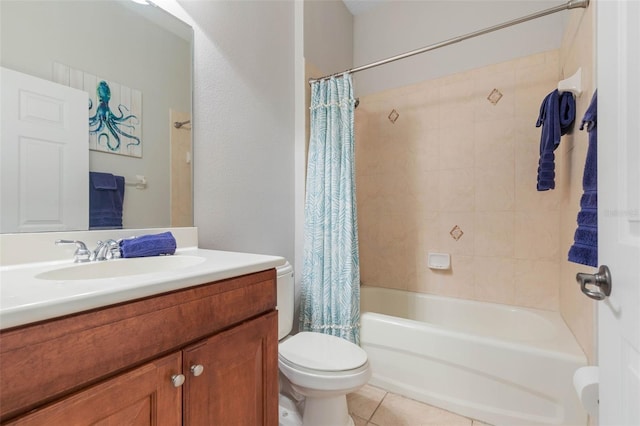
(44, 155)
(618, 50)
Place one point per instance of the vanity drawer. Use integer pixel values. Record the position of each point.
(44, 361)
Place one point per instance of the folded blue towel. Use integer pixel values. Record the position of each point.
(103, 180)
(149, 245)
(106, 198)
(585, 247)
(557, 113)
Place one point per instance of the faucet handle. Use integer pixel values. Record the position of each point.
(113, 249)
(106, 250)
(82, 254)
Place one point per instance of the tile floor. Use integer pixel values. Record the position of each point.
(372, 406)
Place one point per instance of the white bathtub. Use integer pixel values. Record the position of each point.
(500, 364)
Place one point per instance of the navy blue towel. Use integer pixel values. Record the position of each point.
(106, 198)
(557, 113)
(585, 247)
(149, 245)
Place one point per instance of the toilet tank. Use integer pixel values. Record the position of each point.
(285, 299)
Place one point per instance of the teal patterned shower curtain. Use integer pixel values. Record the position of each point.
(330, 300)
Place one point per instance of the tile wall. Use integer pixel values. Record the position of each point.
(577, 51)
(449, 165)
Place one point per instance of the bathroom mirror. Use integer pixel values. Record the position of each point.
(139, 46)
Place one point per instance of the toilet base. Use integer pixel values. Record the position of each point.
(330, 411)
(288, 414)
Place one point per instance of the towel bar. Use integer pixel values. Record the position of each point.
(140, 182)
(572, 84)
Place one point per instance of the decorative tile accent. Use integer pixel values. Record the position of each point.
(393, 116)
(494, 96)
(456, 233)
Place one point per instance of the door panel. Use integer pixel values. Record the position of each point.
(44, 155)
(141, 397)
(240, 374)
(618, 45)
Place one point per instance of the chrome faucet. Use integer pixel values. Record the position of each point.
(106, 250)
(82, 254)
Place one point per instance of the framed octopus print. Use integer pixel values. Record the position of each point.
(115, 111)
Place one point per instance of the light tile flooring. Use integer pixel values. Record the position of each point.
(372, 406)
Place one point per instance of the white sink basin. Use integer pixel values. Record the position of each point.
(120, 268)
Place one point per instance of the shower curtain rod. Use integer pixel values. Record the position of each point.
(571, 4)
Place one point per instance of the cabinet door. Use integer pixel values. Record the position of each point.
(238, 384)
(144, 396)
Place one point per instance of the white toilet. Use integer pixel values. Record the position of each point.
(321, 368)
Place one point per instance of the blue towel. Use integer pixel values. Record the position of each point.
(585, 247)
(149, 245)
(106, 198)
(557, 113)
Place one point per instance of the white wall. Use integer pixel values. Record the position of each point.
(80, 35)
(243, 126)
(328, 35)
(401, 26)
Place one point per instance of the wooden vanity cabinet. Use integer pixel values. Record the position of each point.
(239, 390)
(124, 364)
(139, 397)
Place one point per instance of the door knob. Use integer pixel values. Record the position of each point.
(177, 380)
(601, 279)
(197, 369)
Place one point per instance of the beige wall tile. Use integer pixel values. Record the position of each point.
(456, 191)
(578, 311)
(501, 79)
(453, 158)
(537, 235)
(494, 279)
(456, 143)
(426, 151)
(465, 244)
(457, 106)
(494, 234)
(494, 144)
(537, 284)
(456, 282)
(495, 189)
(427, 193)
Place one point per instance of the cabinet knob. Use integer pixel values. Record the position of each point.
(177, 380)
(197, 369)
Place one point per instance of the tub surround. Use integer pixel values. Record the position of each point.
(577, 51)
(456, 173)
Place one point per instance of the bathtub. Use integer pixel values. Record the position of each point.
(499, 364)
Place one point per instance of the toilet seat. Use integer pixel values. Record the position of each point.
(318, 352)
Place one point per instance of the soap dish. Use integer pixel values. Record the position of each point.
(439, 261)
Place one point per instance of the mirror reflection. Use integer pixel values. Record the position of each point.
(140, 125)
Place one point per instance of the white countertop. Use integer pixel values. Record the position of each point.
(25, 299)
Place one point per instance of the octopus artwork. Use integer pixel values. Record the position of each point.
(111, 126)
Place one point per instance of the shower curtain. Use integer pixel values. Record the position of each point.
(330, 301)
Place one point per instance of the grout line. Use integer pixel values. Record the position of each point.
(377, 406)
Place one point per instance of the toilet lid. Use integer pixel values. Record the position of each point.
(323, 352)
